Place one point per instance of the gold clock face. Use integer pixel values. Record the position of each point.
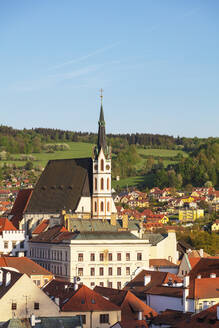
(96, 167)
(107, 167)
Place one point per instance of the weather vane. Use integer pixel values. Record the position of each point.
(101, 95)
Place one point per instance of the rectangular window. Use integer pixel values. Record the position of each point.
(92, 284)
(5, 244)
(101, 284)
(119, 285)
(110, 257)
(101, 271)
(139, 256)
(92, 257)
(119, 256)
(101, 257)
(22, 244)
(110, 284)
(14, 243)
(36, 306)
(14, 306)
(80, 257)
(119, 271)
(110, 271)
(92, 271)
(127, 256)
(104, 318)
(83, 318)
(127, 271)
(80, 272)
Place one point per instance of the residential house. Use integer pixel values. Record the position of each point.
(134, 311)
(39, 275)
(215, 226)
(77, 299)
(190, 214)
(20, 297)
(44, 322)
(189, 260)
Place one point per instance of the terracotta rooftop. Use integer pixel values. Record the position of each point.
(136, 285)
(6, 225)
(161, 263)
(170, 318)
(20, 205)
(84, 299)
(23, 265)
(129, 303)
(204, 319)
(41, 227)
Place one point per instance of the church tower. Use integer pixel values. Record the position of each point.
(102, 203)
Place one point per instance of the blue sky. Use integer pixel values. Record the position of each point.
(157, 61)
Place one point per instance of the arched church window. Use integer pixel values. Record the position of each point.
(108, 206)
(102, 184)
(95, 206)
(102, 165)
(101, 206)
(107, 183)
(95, 183)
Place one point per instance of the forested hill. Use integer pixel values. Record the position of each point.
(31, 140)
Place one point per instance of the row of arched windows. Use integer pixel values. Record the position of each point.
(102, 206)
(102, 184)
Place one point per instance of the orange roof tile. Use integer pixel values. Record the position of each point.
(6, 225)
(41, 227)
(23, 265)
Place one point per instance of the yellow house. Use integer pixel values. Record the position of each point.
(215, 226)
(190, 214)
(188, 199)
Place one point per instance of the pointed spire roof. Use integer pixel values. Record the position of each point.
(101, 142)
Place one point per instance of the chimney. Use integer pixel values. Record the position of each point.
(125, 221)
(33, 320)
(213, 275)
(75, 284)
(147, 279)
(201, 252)
(8, 279)
(199, 276)
(1, 277)
(139, 315)
(185, 293)
(113, 219)
(218, 312)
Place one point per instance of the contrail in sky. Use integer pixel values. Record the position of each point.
(77, 60)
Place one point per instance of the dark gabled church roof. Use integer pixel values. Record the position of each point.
(61, 186)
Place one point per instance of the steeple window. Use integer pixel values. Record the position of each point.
(102, 165)
(108, 207)
(95, 206)
(101, 206)
(95, 183)
(107, 183)
(102, 184)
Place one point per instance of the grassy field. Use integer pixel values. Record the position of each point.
(165, 154)
(136, 181)
(77, 150)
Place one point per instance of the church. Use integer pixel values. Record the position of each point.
(80, 187)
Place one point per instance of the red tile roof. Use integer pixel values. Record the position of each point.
(203, 319)
(6, 225)
(170, 318)
(41, 227)
(193, 261)
(23, 265)
(129, 303)
(206, 288)
(161, 263)
(20, 205)
(84, 299)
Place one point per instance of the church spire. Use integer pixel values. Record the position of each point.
(101, 142)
